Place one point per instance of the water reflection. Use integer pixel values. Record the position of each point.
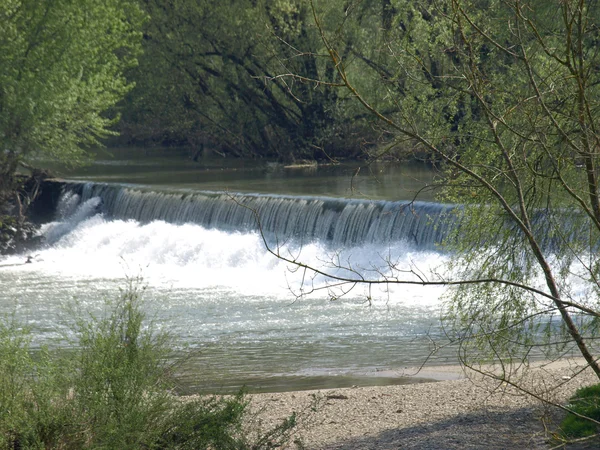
(170, 168)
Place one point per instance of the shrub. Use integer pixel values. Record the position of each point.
(586, 402)
(112, 391)
(31, 390)
(206, 422)
(120, 379)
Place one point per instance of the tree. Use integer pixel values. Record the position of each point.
(504, 96)
(61, 71)
(210, 76)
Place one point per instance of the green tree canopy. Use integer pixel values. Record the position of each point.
(219, 73)
(61, 69)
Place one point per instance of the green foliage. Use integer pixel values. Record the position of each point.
(61, 69)
(29, 417)
(222, 75)
(121, 384)
(585, 402)
(531, 210)
(111, 391)
(207, 423)
(503, 98)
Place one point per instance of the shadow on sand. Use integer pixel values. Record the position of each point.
(514, 429)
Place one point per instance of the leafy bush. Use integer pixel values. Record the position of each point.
(32, 391)
(112, 391)
(120, 378)
(586, 402)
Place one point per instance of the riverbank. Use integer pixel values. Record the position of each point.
(18, 233)
(462, 411)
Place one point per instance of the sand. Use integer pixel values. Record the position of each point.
(463, 410)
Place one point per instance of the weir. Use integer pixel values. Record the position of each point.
(339, 222)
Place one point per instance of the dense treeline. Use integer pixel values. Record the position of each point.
(238, 78)
(254, 77)
(242, 78)
(247, 78)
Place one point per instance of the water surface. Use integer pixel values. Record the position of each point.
(244, 316)
(173, 168)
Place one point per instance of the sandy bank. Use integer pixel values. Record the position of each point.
(462, 411)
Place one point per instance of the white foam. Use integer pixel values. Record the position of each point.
(188, 256)
(69, 216)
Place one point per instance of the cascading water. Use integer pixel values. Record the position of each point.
(215, 288)
(340, 222)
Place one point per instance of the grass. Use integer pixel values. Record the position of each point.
(112, 392)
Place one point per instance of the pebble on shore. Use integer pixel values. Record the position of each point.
(470, 412)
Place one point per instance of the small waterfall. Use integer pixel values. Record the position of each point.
(339, 222)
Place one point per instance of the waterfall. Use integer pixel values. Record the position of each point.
(338, 222)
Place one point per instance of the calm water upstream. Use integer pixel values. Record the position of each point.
(173, 169)
(210, 281)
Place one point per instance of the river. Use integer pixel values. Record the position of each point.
(243, 316)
